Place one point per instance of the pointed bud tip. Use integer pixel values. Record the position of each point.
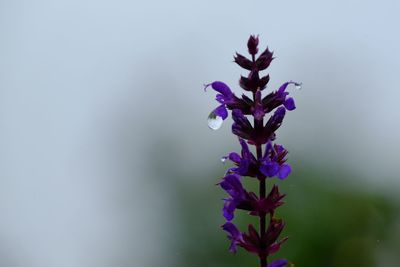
(252, 44)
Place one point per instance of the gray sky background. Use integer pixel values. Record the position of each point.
(91, 91)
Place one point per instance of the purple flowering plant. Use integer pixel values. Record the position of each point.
(269, 160)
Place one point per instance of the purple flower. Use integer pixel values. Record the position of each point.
(278, 263)
(235, 236)
(239, 197)
(289, 102)
(246, 162)
(232, 185)
(224, 97)
(273, 162)
(273, 124)
(279, 97)
(242, 126)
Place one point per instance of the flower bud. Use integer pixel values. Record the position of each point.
(252, 44)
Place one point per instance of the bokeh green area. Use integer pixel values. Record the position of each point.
(331, 221)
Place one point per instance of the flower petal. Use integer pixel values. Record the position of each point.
(270, 169)
(278, 263)
(241, 126)
(221, 111)
(232, 185)
(234, 235)
(229, 209)
(234, 157)
(285, 85)
(284, 171)
(220, 87)
(289, 104)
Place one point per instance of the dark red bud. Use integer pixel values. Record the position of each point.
(252, 44)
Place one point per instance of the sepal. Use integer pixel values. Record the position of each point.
(243, 62)
(264, 60)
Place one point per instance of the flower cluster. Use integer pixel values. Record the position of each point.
(269, 160)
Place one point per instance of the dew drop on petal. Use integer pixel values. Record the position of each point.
(214, 121)
(298, 85)
(223, 159)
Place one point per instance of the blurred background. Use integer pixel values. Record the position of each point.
(106, 158)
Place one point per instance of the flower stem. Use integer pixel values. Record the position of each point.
(263, 259)
(258, 125)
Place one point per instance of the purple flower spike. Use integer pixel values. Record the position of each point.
(256, 118)
(235, 236)
(278, 263)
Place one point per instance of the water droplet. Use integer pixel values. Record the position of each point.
(214, 121)
(223, 159)
(298, 85)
